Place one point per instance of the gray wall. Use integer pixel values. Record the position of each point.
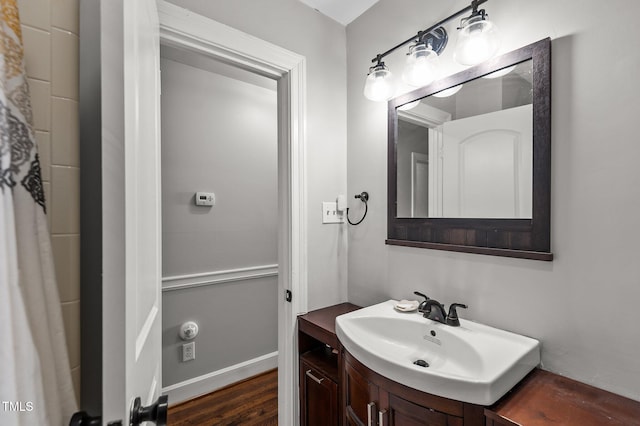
(582, 306)
(238, 322)
(296, 27)
(219, 134)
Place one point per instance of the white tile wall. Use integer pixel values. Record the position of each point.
(66, 251)
(65, 132)
(65, 202)
(64, 15)
(37, 52)
(64, 64)
(50, 37)
(36, 13)
(40, 103)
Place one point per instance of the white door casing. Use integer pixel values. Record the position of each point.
(435, 171)
(186, 30)
(419, 185)
(131, 232)
(432, 118)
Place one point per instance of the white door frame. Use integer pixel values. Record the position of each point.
(189, 31)
(417, 158)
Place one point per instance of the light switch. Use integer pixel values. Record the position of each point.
(330, 213)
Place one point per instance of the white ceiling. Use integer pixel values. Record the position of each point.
(343, 11)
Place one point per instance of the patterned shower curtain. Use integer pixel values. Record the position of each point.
(35, 378)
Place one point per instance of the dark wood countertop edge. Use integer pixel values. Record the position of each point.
(543, 393)
(320, 323)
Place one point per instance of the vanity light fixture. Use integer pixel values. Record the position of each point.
(478, 40)
(380, 85)
(422, 61)
(422, 65)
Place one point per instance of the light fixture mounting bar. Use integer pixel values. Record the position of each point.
(472, 7)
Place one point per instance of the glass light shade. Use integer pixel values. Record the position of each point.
(422, 65)
(379, 85)
(448, 92)
(478, 40)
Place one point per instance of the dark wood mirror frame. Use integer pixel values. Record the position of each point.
(521, 238)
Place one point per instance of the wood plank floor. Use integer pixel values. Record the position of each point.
(252, 402)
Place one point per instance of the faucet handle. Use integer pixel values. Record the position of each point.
(452, 316)
(421, 307)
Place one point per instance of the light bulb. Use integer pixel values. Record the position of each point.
(478, 40)
(422, 65)
(379, 85)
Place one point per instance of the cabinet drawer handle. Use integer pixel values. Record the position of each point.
(314, 378)
(371, 408)
(381, 417)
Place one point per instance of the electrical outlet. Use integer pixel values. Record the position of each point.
(330, 213)
(188, 351)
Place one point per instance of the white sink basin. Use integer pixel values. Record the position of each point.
(472, 363)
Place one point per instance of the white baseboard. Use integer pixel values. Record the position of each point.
(215, 380)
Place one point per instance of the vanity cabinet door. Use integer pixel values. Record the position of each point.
(373, 400)
(360, 398)
(319, 397)
(399, 412)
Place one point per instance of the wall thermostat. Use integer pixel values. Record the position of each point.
(205, 199)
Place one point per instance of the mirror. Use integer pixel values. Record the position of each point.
(467, 151)
(469, 159)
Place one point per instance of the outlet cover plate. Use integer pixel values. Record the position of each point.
(188, 351)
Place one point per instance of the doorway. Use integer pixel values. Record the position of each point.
(188, 31)
(182, 29)
(219, 223)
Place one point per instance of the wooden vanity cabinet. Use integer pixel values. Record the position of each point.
(318, 391)
(373, 400)
(320, 366)
(361, 398)
(336, 389)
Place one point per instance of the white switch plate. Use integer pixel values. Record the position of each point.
(188, 351)
(330, 213)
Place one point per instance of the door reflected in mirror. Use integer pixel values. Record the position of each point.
(467, 151)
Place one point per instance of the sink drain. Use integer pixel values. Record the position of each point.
(421, 363)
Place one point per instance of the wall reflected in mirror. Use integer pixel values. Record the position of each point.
(466, 152)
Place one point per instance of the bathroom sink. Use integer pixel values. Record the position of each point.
(472, 363)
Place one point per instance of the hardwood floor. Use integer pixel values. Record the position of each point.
(252, 402)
